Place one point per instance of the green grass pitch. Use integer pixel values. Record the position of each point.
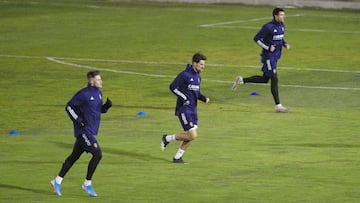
(245, 152)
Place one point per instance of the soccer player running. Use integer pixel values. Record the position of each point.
(271, 39)
(186, 86)
(84, 109)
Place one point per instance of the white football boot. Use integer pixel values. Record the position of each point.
(238, 81)
(280, 109)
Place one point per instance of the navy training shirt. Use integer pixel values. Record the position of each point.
(186, 86)
(86, 105)
(272, 33)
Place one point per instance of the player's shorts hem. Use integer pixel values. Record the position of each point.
(193, 128)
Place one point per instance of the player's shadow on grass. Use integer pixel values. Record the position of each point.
(144, 107)
(15, 187)
(139, 156)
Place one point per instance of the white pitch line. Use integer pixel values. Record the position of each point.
(214, 65)
(234, 22)
(286, 68)
(230, 24)
(242, 21)
(105, 69)
(167, 76)
(334, 70)
(119, 61)
(331, 16)
(60, 61)
(325, 31)
(290, 30)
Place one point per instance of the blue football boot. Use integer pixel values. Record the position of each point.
(90, 190)
(56, 186)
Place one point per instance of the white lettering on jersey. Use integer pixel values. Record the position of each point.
(193, 87)
(278, 37)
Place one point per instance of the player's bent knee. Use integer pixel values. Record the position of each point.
(192, 136)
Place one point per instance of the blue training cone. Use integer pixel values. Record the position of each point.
(14, 132)
(141, 114)
(254, 94)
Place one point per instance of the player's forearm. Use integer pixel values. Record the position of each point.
(263, 45)
(180, 94)
(72, 111)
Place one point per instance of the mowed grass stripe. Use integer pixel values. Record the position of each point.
(60, 61)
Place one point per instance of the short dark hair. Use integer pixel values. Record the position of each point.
(276, 11)
(198, 57)
(92, 74)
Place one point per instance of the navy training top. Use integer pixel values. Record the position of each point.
(186, 86)
(86, 105)
(272, 33)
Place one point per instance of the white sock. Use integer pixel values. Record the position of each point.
(179, 154)
(87, 182)
(278, 105)
(58, 179)
(170, 138)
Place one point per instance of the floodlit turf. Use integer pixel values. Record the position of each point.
(245, 152)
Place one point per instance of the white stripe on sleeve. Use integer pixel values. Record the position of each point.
(259, 42)
(72, 112)
(180, 94)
